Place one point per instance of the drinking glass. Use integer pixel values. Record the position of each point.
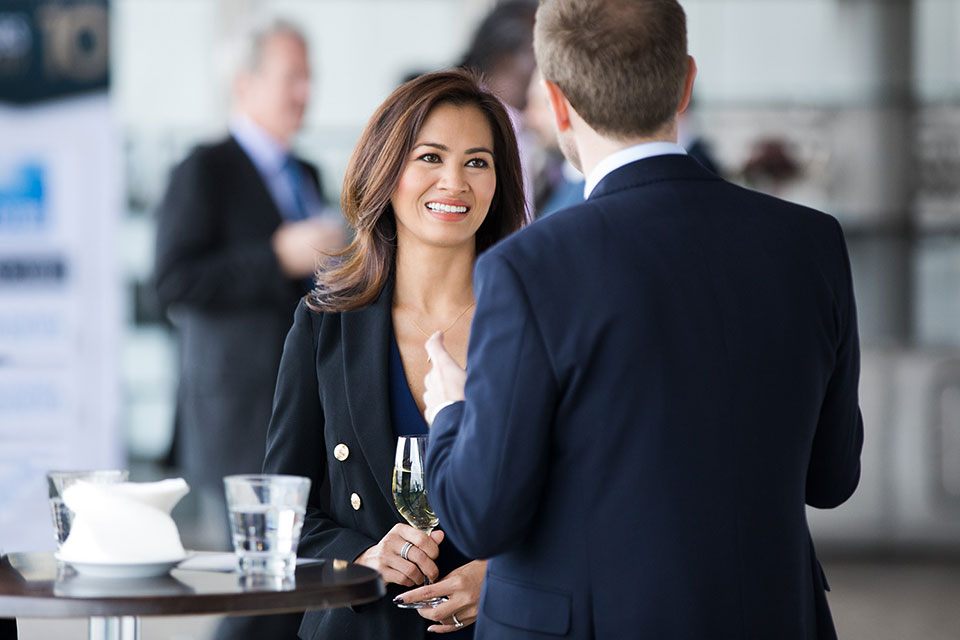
(57, 483)
(266, 516)
(410, 496)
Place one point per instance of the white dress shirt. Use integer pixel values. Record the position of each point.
(623, 157)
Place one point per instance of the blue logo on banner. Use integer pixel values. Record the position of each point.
(22, 198)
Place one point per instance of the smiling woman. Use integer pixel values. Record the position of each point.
(433, 182)
(379, 162)
(449, 180)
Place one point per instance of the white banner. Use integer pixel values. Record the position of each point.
(60, 314)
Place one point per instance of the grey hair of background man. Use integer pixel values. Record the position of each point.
(245, 51)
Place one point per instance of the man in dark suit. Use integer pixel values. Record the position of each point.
(237, 242)
(660, 379)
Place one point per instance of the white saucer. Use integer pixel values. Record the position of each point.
(122, 569)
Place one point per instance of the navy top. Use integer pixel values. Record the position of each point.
(404, 414)
(407, 420)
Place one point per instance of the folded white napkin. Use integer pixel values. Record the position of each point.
(123, 523)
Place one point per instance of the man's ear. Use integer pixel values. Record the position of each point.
(688, 85)
(559, 106)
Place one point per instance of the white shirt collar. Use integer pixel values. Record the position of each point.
(624, 157)
(267, 153)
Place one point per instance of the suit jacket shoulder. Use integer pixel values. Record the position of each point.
(214, 229)
(228, 155)
(667, 192)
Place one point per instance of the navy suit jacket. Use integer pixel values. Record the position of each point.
(659, 381)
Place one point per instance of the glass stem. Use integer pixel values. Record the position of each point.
(425, 576)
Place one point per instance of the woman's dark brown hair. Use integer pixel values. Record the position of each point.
(356, 278)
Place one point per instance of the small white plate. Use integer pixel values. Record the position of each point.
(123, 569)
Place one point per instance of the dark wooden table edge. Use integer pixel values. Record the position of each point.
(354, 590)
(241, 604)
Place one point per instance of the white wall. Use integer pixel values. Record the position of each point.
(937, 58)
(168, 65)
(800, 52)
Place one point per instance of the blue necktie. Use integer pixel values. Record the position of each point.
(291, 168)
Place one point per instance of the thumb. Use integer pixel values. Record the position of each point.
(437, 536)
(437, 353)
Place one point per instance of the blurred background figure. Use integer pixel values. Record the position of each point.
(771, 165)
(239, 233)
(691, 139)
(501, 51)
(557, 183)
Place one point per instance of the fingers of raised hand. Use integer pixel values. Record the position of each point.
(431, 403)
(430, 381)
(434, 346)
(422, 563)
(405, 533)
(437, 354)
(392, 575)
(392, 568)
(409, 572)
(401, 553)
(412, 574)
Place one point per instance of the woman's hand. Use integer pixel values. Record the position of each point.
(462, 586)
(385, 556)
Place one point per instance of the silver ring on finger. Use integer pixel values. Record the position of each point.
(406, 548)
(456, 622)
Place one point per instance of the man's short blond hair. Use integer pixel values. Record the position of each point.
(622, 64)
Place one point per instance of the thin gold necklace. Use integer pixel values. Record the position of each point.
(450, 326)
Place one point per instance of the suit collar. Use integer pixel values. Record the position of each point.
(648, 170)
(366, 344)
(625, 156)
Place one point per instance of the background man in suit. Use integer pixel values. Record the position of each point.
(659, 378)
(557, 183)
(239, 233)
(238, 236)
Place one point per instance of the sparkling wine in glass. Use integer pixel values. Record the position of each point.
(410, 496)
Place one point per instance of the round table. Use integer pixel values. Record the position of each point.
(35, 585)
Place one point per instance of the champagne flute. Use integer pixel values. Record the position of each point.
(410, 496)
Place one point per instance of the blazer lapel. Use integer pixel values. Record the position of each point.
(366, 343)
(247, 174)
